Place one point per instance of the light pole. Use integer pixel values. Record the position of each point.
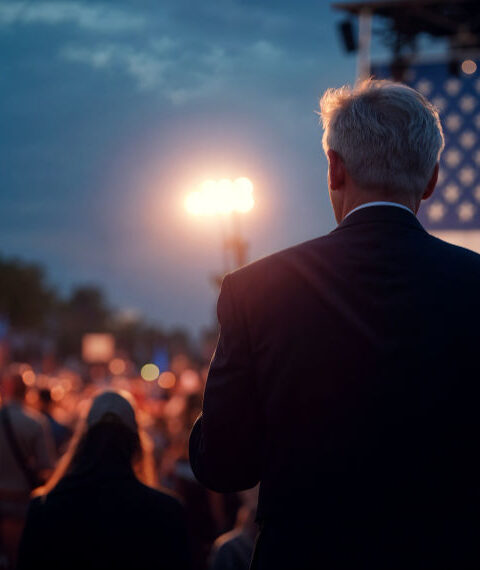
(227, 199)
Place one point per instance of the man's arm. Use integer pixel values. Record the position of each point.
(226, 440)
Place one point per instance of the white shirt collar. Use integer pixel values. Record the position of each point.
(378, 203)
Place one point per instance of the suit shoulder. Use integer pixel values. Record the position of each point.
(457, 254)
(276, 260)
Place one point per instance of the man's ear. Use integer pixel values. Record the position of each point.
(431, 183)
(336, 170)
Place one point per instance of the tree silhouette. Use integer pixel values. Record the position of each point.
(85, 311)
(25, 299)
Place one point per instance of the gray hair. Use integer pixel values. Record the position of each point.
(388, 135)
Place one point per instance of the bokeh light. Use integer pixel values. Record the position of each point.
(32, 397)
(150, 372)
(179, 362)
(29, 377)
(66, 383)
(57, 392)
(117, 366)
(221, 197)
(174, 407)
(469, 67)
(167, 380)
(190, 381)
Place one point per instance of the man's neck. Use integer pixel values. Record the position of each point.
(353, 197)
(379, 203)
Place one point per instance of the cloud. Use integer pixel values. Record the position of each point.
(191, 52)
(187, 52)
(150, 69)
(265, 50)
(147, 69)
(95, 18)
(177, 71)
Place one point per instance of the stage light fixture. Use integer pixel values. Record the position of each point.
(348, 36)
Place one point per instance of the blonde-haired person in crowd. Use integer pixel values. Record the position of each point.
(343, 377)
(99, 509)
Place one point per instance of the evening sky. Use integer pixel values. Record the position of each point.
(112, 112)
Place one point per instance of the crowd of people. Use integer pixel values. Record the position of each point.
(103, 473)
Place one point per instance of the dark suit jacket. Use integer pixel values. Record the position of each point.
(345, 380)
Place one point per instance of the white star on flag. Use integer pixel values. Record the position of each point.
(451, 193)
(466, 175)
(467, 103)
(466, 211)
(424, 86)
(453, 157)
(453, 86)
(453, 122)
(468, 139)
(436, 211)
(440, 103)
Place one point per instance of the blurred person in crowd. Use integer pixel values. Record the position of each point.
(97, 511)
(61, 433)
(233, 550)
(371, 463)
(207, 516)
(26, 460)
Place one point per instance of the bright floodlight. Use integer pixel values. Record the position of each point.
(221, 197)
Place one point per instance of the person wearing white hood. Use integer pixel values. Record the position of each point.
(95, 512)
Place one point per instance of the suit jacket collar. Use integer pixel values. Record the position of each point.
(381, 214)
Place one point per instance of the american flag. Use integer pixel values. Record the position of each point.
(455, 204)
